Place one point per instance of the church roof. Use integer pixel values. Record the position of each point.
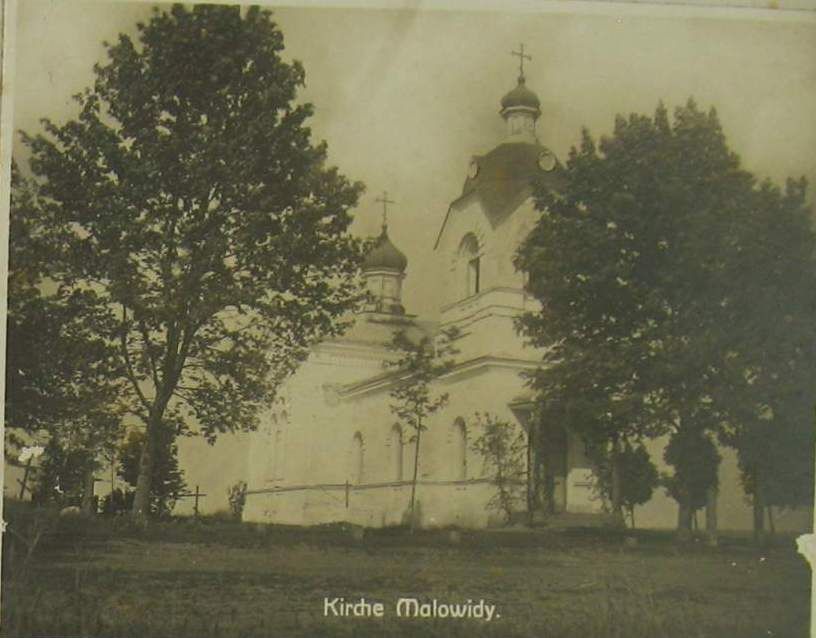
(520, 96)
(506, 175)
(384, 254)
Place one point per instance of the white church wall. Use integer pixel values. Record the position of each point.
(320, 455)
(487, 325)
(214, 468)
(734, 510)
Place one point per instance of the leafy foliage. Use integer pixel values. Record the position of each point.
(193, 209)
(60, 475)
(669, 298)
(502, 446)
(61, 375)
(419, 363)
(774, 365)
(695, 460)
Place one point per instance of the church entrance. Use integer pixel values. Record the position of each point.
(548, 462)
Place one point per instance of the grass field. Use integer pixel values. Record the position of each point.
(225, 579)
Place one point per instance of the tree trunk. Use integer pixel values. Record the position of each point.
(141, 499)
(88, 506)
(414, 480)
(711, 516)
(530, 475)
(759, 521)
(616, 487)
(759, 510)
(771, 525)
(684, 520)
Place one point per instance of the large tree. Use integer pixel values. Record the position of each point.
(773, 364)
(640, 263)
(193, 205)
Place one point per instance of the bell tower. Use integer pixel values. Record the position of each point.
(521, 108)
(483, 292)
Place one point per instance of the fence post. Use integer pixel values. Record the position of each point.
(347, 493)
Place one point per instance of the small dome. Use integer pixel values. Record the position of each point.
(520, 96)
(385, 254)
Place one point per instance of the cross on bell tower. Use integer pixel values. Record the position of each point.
(521, 56)
(385, 201)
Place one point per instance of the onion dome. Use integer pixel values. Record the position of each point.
(385, 255)
(521, 96)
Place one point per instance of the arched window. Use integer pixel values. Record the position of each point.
(357, 461)
(396, 451)
(469, 265)
(460, 449)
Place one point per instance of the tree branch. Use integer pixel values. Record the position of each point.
(153, 370)
(128, 365)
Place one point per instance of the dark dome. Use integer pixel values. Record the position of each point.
(384, 254)
(520, 96)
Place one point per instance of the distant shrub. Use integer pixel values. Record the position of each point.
(118, 502)
(502, 447)
(237, 499)
(638, 476)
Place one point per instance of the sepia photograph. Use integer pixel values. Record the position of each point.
(408, 319)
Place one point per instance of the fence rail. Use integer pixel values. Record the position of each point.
(364, 486)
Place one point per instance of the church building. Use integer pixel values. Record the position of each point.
(331, 450)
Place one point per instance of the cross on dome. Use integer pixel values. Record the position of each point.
(385, 201)
(521, 56)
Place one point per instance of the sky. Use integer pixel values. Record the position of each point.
(405, 97)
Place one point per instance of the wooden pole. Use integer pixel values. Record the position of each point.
(195, 503)
(414, 481)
